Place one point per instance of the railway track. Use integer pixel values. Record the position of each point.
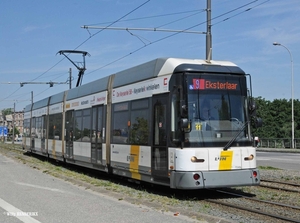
(277, 185)
(279, 212)
(243, 205)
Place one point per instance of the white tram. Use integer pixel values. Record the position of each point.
(176, 122)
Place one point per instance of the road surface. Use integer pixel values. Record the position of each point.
(31, 196)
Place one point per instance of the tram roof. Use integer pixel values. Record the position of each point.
(27, 108)
(151, 69)
(89, 88)
(138, 73)
(40, 104)
(57, 98)
(166, 66)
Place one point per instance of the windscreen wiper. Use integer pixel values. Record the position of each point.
(235, 137)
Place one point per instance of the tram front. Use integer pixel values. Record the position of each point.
(212, 135)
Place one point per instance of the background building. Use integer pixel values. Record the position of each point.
(7, 121)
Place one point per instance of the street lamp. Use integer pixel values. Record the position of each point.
(293, 131)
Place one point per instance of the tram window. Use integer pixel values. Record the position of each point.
(97, 120)
(55, 125)
(38, 125)
(26, 127)
(33, 127)
(175, 117)
(120, 123)
(139, 122)
(100, 134)
(140, 104)
(86, 125)
(94, 122)
(160, 114)
(69, 125)
(78, 125)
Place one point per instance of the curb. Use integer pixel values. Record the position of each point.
(280, 150)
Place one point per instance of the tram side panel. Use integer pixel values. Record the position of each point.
(55, 132)
(131, 134)
(84, 131)
(38, 130)
(129, 149)
(26, 130)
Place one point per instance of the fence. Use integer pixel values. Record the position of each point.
(279, 143)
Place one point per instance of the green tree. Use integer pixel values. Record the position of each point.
(277, 118)
(17, 132)
(7, 111)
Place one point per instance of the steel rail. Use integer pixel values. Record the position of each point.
(255, 211)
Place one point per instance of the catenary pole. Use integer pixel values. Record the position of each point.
(208, 32)
(70, 78)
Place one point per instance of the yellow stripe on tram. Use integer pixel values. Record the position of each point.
(134, 162)
(225, 160)
(53, 149)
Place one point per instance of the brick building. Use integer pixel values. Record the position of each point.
(7, 121)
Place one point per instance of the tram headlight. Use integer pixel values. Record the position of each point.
(251, 157)
(194, 159)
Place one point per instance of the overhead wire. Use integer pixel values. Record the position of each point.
(42, 91)
(112, 23)
(248, 9)
(58, 75)
(93, 36)
(181, 18)
(9, 95)
(150, 17)
(153, 42)
(78, 47)
(171, 35)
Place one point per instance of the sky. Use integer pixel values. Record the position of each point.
(32, 32)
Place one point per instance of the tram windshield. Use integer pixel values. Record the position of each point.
(217, 110)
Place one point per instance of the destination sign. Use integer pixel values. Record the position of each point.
(203, 84)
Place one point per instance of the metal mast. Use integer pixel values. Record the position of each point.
(208, 32)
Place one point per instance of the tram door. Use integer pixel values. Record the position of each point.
(69, 125)
(97, 127)
(43, 134)
(33, 134)
(159, 147)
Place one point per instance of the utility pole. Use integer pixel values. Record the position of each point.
(13, 138)
(208, 32)
(30, 123)
(70, 78)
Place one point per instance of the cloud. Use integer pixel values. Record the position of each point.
(33, 28)
(274, 22)
(30, 28)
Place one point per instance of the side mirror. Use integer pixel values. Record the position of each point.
(258, 122)
(184, 123)
(183, 109)
(252, 108)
